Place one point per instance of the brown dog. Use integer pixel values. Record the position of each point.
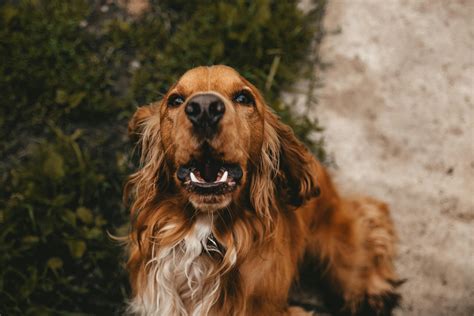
(227, 203)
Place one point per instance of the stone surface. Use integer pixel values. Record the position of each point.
(398, 108)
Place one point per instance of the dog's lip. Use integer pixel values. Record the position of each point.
(209, 177)
(209, 171)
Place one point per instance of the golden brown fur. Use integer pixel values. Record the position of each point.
(285, 209)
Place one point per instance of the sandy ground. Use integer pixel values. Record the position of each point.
(399, 116)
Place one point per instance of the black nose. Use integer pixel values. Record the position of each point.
(205, 111)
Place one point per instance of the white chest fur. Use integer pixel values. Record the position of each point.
(178, 280)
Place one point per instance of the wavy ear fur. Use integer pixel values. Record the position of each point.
(286, 168)
(153, 175)
(135, 125)
(298, 168)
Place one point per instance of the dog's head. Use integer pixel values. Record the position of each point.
(213, 142)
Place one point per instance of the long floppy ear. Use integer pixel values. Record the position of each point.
(298, 168)
(285, 170)
(152, 177)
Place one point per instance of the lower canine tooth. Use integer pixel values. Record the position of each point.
(224, 177)
(193, 178)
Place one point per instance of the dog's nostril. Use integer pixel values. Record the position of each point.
(216, 110)
(193, 110)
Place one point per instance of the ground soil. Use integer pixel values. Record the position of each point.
(398, 108)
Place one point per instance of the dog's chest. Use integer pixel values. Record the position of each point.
(178, 281)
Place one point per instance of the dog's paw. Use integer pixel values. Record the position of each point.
(298, 311)
(379, 305)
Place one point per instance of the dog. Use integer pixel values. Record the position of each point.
(228, 204)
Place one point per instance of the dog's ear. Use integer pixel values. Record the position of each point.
(152, 175)
(298, 169)
(136, 123)
(286, 169)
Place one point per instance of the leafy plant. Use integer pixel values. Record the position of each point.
(71, 74)
(54, 240)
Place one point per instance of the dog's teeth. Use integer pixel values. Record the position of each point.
(224, 177)
(193, 177)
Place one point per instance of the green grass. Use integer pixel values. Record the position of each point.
(70, 77)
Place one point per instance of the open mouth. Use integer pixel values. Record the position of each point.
(210, 177)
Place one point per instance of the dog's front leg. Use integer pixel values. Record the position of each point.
(356, 246)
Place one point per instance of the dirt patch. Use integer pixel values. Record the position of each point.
(399, 116)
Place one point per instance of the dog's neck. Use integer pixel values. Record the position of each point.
(178, 280)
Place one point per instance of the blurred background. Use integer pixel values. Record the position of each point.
(71, 75)
(392, 83)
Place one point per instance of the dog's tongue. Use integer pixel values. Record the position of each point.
(210, 171)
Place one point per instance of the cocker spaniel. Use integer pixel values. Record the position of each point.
(227, 205)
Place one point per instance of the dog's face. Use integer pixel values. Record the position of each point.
(211, 125)
(218, 137)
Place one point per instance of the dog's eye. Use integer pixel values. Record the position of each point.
(175, 100)
(244, 97)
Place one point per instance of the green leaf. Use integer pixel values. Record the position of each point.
(55, 263)
(69, 217)
(46, 227)
(76, 98)
(61, 96)
(77, 248)
(53, 166)
(30, 239)
(8, 12)
(100, 221)
(93, 233)
(85, 215)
